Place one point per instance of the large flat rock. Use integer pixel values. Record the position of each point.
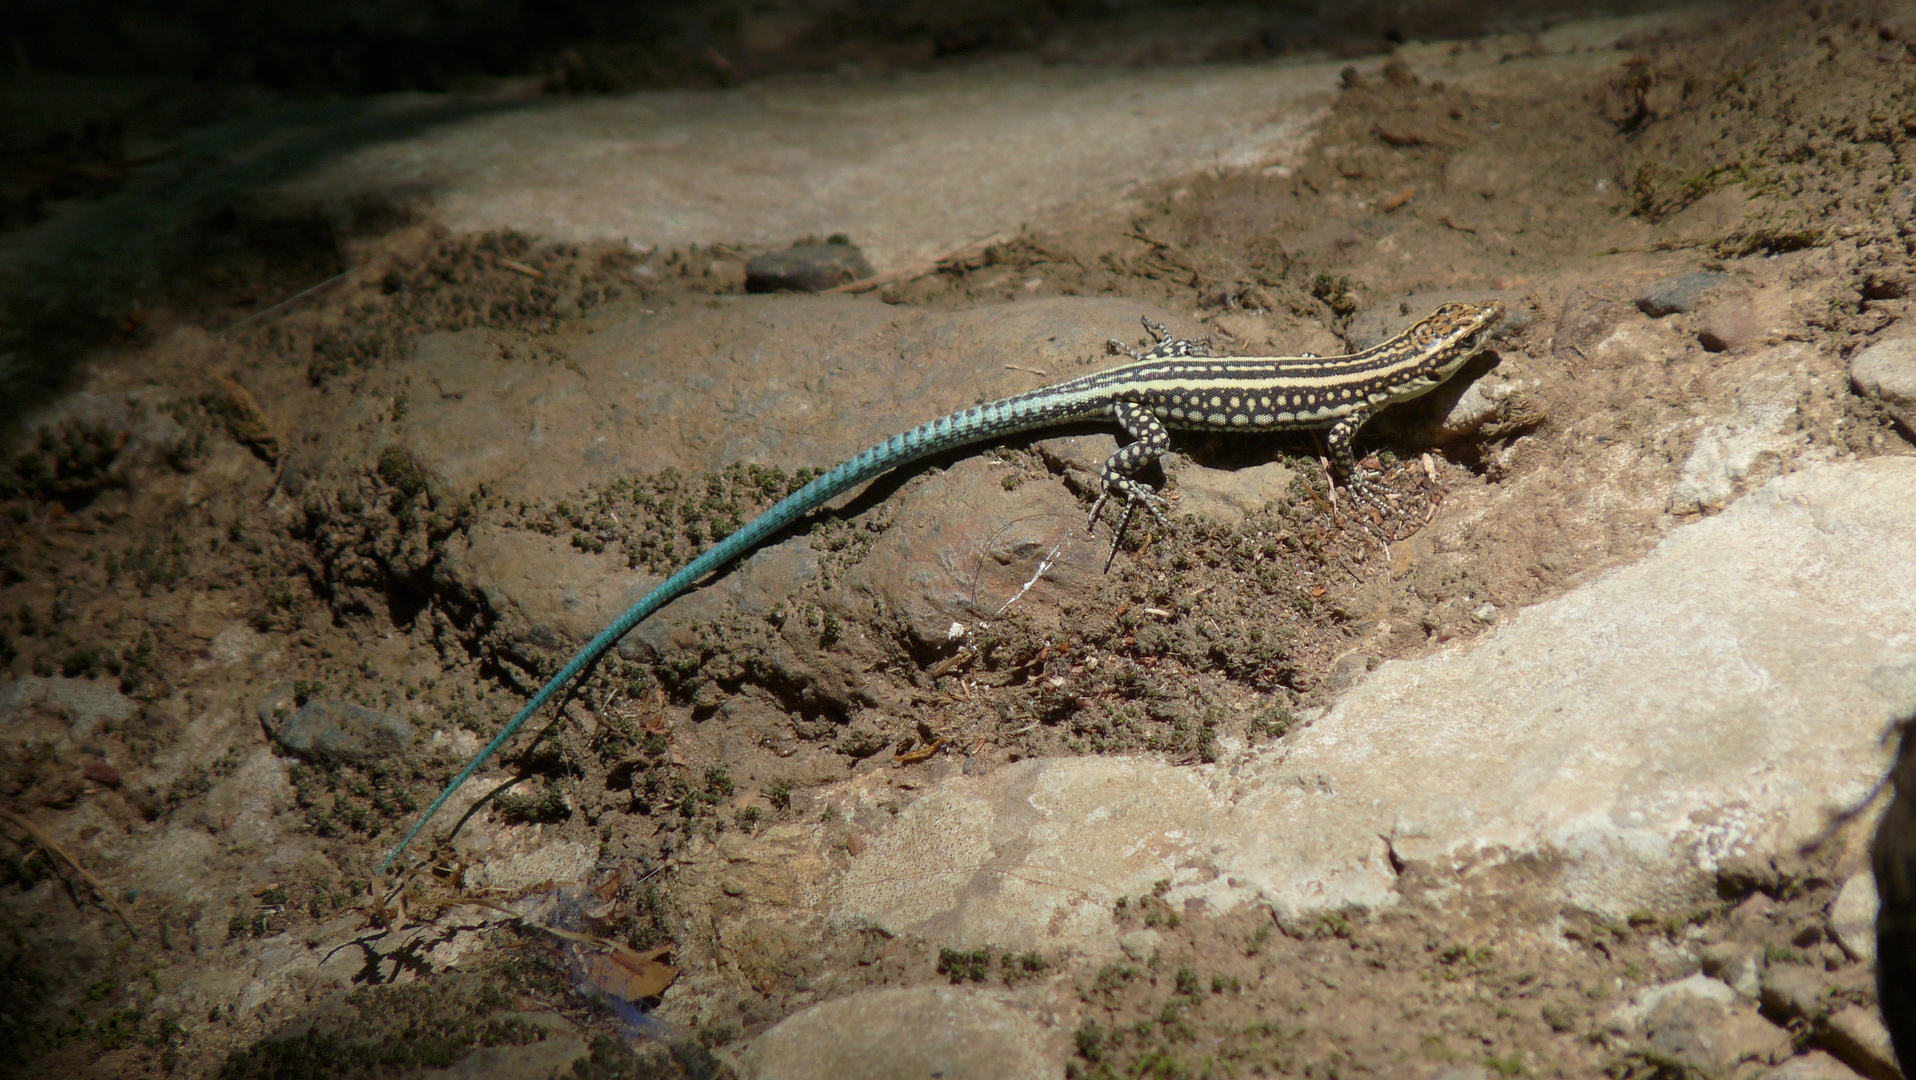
(1723, 697)
(910, 166)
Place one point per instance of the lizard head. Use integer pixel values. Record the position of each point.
(1462, 324)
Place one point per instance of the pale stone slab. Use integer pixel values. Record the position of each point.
(910, 167)
(1723, 697)
(923, 1031)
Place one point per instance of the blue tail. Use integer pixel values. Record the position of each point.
(899, 449)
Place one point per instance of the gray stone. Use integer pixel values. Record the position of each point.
(1479, 402)
(806, 268)
(87, 705)
(1639, 1009)
(341, 731)
(924, 1031)
(1886, 372)
(1683, 292)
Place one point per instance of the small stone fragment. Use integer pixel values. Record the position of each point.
(1886, 372)
(1853, 918)
(1348, 669)
(1734, 963)
(88, 705)
(1683, 292)
(1794, 992)
(807, 268)
(1727, 322)
(1140, 945)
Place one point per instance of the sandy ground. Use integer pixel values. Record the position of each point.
(219, 528)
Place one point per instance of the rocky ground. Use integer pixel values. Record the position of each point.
(1565, 766)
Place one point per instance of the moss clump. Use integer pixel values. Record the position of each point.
(386, 1031)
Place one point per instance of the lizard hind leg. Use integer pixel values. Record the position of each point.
(1119, 476)
(1166, 346)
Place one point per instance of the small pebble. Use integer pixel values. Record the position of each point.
(807, 268)
(1683, 292)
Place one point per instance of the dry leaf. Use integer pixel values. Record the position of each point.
(60, 855)
(247, 420)
(623, 973)
(920, 754)
(611, 886)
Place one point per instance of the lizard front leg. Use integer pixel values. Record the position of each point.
(1338, 440)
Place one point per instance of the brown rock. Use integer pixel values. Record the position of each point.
(1708, 1038)
(1858, 1037)
(1794, 992)
(1727, 322)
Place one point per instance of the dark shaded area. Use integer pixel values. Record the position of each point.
(305, 46)
(171, 116)
(1893, 859)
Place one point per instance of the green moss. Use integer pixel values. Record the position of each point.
(386, 1031)
(965, 966)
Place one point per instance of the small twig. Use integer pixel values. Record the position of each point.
(293, 299)
(46, 844)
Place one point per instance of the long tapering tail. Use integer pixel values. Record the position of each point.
(989, 421)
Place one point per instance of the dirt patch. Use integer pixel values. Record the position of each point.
(175, 541)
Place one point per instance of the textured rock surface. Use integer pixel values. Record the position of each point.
(1749, 444)
(923, 1031)
(1632, 733)
(344, 732)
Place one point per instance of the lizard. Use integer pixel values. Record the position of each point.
(1175, 384)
